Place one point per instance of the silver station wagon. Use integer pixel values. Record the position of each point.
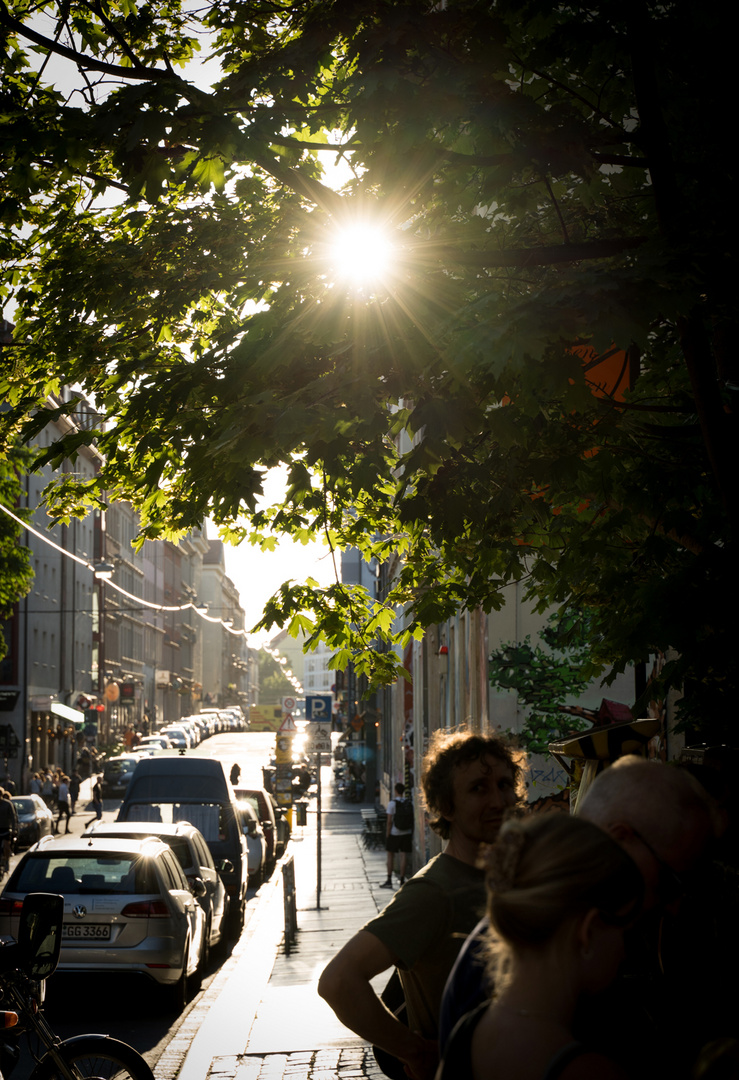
(193, 855)
(127, 908)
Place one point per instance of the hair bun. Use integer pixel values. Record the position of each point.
(504, 857)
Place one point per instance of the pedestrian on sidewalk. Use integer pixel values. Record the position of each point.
(97, 801)
(74, 789)
(469, 783)
(8, 826)
(62, 802)
(399, 834)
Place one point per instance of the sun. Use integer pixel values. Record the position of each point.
(362, 255)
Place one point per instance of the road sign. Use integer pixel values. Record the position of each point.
(320, 743)
(288, 704)
(287, 727)
(318, 706)
(283, 750)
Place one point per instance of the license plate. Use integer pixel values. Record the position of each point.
(80, 931)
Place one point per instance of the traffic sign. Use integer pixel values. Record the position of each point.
(287, 727)
(318, 706)
(283, 750)
(320, 743)
(288, 704)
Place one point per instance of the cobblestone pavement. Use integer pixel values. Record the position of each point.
(355, 1063)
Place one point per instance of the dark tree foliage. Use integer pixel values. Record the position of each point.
(15, 570)
(558, 183)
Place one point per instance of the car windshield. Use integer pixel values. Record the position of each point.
(206, 817)
(24, 806)
(124, 765)
(250, 800)
(84, 873)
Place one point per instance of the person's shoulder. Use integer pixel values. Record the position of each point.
(447, 871)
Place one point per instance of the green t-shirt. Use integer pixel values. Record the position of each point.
(424, 926)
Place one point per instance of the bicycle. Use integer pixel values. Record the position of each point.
(24, 965)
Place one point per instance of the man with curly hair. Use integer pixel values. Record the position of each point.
(469, 783)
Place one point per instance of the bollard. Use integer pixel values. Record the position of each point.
(290, 903)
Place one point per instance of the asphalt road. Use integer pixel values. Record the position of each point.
(123, 1006)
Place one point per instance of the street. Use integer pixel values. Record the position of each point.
(124, 1006)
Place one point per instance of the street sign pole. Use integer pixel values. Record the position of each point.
(318, 712)
(318, 833)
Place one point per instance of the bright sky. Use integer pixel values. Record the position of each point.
(258, 574)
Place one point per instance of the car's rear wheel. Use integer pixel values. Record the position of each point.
(178, 995)
(236, 919)
(205, 951)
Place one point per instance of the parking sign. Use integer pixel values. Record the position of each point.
(318, 707)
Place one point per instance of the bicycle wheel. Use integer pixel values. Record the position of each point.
(95, 1057)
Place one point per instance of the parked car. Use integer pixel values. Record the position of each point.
(127, 907)
(255, 842)
(117, 772)
(193, 855)
(159, 742)
(178, 737)
(260, 800)
(34, 819)
(196, 790)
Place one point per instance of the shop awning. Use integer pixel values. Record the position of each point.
(67, 713)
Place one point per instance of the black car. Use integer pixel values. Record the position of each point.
(195, 790)
(34, 819)
(117, 772)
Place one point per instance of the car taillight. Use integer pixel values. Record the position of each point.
(146, 909)
(10, 907)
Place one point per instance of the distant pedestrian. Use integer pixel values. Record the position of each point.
(8, 826)
(34, 786)
(399, 834)
(235, 774)
(74, 789)
(97, 800)
(62, 802)
(47, 789)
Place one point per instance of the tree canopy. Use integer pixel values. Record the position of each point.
(541, 389)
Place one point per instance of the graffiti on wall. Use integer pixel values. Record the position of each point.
(546, 783)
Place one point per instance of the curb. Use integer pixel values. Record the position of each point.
(172, 1062)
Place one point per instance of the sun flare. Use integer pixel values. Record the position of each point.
(362, 254)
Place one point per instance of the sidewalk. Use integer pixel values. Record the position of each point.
(262, 1018)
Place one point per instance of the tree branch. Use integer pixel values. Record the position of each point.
(535, 256)
(83, 62)
(113, 31)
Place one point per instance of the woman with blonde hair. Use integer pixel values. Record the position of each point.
(560, 894)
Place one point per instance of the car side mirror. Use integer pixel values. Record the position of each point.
(40, 934)
(225, 866)
(198, 887)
